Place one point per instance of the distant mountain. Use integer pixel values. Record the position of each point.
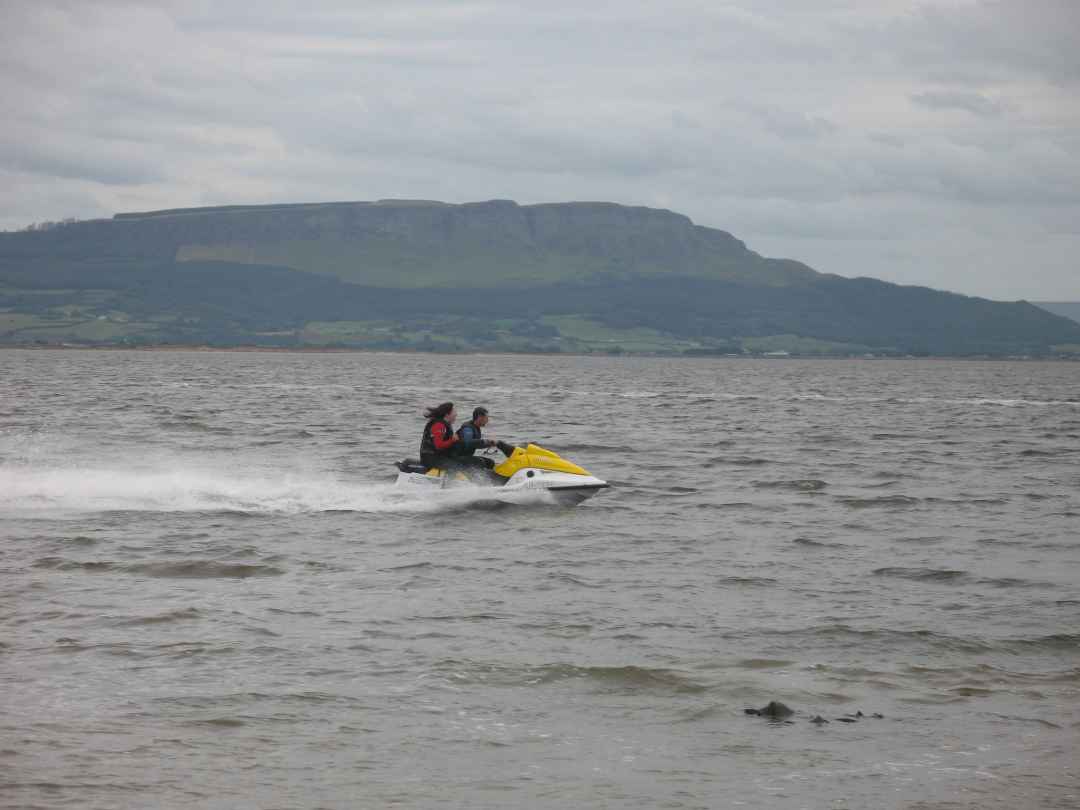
(1066, 309)
(481, 276)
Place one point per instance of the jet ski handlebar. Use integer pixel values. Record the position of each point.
(503, 447)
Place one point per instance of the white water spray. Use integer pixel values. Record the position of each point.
(56, 491)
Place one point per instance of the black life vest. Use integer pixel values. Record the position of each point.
(427, 442)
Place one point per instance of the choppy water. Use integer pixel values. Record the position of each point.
(210, 596)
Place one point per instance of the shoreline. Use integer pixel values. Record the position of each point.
(357, 350)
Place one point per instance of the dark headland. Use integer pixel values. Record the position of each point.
(487, 276)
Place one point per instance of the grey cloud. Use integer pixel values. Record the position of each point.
(974, 103)
(990, 40)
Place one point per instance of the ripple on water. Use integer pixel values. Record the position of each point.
(184, 614)
(799, 484)
(882, 502)
(923, 574)
(631, 679)
(194, 569)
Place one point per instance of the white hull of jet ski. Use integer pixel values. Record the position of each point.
(566, 488)
(530, 469)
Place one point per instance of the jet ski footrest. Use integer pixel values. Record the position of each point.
(410, 465)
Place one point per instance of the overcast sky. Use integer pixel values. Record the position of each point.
(930, 142)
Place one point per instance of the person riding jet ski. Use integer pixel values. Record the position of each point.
(526, 469)
(438, 438)
(470, 439)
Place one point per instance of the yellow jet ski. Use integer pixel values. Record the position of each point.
(526, 469)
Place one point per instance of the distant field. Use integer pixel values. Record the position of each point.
(30, 328)
(581, 333)
(803, 346)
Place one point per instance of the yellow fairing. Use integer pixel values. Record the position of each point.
(537, 458)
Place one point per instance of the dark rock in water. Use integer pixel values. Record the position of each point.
(775, 710)
(854, 718)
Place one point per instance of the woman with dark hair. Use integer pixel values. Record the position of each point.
(439, 437)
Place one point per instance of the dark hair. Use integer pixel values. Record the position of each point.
(439, 411)
(478, 412)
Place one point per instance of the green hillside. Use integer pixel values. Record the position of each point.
(581, 277)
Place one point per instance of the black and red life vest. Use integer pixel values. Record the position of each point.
(427, 441)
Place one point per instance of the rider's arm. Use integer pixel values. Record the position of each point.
(440, 438)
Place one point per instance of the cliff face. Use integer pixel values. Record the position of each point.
(421, 243)
(587, 274)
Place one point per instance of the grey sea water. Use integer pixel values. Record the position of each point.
(212, 596)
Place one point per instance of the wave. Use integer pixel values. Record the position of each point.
(728, 505)
(194, 426)
(969, 499)
(801, 484)
(630, 679)
(963, 401)
(738, 461)
(203, 569)
(922, 574)
(183, 614)
(1013, 582)
(763, 663)
(846, 637)
(1065, 642)
(740, 581)
(926, 643)
(183, 569)
(806, 541)
(887, 501)
(1042, 453)
(586, 447)
(952, 575)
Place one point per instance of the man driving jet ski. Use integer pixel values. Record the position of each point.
(471, 438)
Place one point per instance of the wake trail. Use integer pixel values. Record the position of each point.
(60, 491)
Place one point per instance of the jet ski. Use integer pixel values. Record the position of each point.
(526, 469)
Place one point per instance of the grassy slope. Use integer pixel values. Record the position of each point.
(388, 263)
